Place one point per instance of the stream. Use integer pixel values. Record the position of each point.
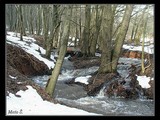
(73, 95)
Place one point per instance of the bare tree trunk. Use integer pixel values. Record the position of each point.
(121, 36)
(45, 24)
(144, 34)
(55, 73)
(56, 37)
(96, 34)
(139, 28)
(31, 20)
(10, 16)
(55, 25)
(133, 29)
(75, 42)
(21, 22)
(86, 31)
(17, 20)
(105, 65)
(39, 20)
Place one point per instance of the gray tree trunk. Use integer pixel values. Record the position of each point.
(86, 31)
(45, 24)
(39, 20)
(21, 22)
(121, 36)
(96, 34)
(105, 65)
(50, 87)
(55, 25)
(144, 35)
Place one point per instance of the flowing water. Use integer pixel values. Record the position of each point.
(73, 95)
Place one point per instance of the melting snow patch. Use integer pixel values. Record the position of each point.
(83, 79)
(12, 77)
(144, 81)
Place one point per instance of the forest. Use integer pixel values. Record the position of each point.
(80, 59)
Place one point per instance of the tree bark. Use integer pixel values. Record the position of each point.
(86, 31)
(98, 21)
(45, 24)
(55, 25)
(144, 34)
(105, 65)
(21, 22)
(121, 36)
(50, 87)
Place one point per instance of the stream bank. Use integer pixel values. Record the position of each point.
(73, 93)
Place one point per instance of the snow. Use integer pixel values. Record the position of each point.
(148, 49)
(30, 47)
(31, 103)
(144, 81)
(12, 77)
(83, 79)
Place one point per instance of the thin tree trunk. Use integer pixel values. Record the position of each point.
(121, 36)
(105, 65)
(45, 26)
(86, 31)
(39, 20)
(133, 29)
(98, 26)
(144, 34)
(139, 28)
(21, 22)
(31, 20)
(55, 25)
(50, 87)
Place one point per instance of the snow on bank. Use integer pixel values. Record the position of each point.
(144, 81)
(83, 79)
(29, 46)
(148, 49)
(31, 103)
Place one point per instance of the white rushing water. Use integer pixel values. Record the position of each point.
(75, 96)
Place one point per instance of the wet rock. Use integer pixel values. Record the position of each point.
(97, 81)
(131, 93)
(149, 92)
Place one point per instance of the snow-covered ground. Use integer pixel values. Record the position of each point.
(148, 49)
(30, 102)
(29, 46)
(144, 81)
